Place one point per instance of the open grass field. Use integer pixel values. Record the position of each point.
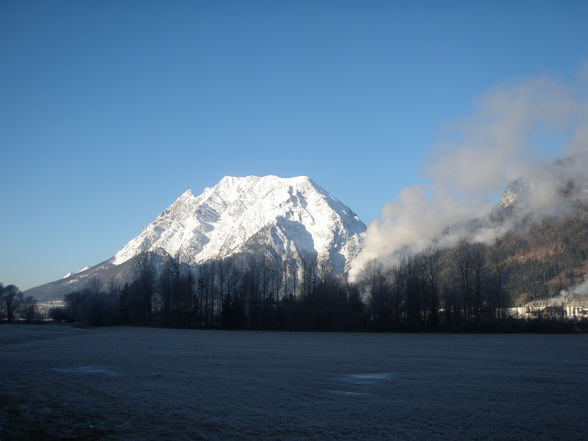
(64, 383)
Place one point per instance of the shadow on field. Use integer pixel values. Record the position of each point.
(39, 422)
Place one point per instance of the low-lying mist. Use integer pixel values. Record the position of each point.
(514, 137)
(566, 295)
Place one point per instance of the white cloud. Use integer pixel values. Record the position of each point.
(503, 141)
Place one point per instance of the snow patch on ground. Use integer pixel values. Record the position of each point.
(367, 379)
(86, 370)
(345, 393)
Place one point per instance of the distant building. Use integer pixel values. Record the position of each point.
(43, 309)
(569, 307)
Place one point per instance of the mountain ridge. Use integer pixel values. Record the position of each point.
(287, 217)
(215, 223)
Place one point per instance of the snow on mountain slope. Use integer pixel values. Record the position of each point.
(285, 217)
(553, 190)
(300, 215)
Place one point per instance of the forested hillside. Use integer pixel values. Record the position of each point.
(540, 261)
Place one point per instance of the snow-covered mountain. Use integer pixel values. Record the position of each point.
(553, 190)
(290, 215)
(286, 217)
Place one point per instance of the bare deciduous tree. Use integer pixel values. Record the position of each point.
(11, 298)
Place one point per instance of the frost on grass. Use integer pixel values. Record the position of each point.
(86, 370)
(346, 393)
(363, 384)
(153, 384)
(367, 379)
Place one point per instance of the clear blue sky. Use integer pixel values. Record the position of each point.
(111, 109)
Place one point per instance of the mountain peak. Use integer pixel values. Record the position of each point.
(284, 215)
(266, 180)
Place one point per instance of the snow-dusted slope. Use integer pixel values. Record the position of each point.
(288, 215)
(285, 217)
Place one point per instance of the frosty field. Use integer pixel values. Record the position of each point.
(62, 383)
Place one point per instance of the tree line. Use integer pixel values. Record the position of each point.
(460, 289)
(13, 304)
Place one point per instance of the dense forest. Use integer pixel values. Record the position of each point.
(464, 288)
(544, 258)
